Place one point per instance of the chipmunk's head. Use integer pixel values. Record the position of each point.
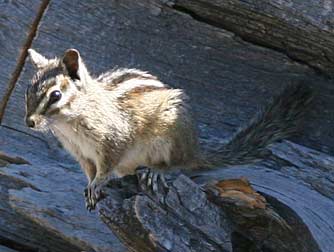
(55, 85)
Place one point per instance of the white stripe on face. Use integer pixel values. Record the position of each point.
(41, 105)
(41, 108)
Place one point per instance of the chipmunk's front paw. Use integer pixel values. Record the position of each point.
(88, 203)
(93, 194)
(90, 198)
(149, 179)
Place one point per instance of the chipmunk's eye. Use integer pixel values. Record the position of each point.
(54, 96)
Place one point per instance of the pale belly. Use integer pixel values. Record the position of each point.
(151, 153)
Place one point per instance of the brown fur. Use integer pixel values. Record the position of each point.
(64, 84)
(128, 118)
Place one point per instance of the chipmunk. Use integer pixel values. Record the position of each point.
(128, 118)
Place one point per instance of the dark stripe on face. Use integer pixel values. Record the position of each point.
(41, 77)
(41, 83)
(46, 107)
(41, 95)
(41, 98)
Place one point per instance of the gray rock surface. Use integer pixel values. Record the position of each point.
(5, 249)
(15, 19)
(184, 43)
(301, 29)
(227, 78)
(299, 178)
(43, 202)
(183, 219)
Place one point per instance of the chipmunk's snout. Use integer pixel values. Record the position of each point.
(36, 122)
(30, 122)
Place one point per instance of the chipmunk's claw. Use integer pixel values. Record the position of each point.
(89, 206)
(149, 179)
(90, 198)
(93, 193)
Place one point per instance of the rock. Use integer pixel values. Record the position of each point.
(43, 202)
(231, 217)
(144, 224)
(227, 78)
(281, 218)
(299, 179)
(302, 30)
(15, 20)
(12, 160)
(209, 49)
(5, 249)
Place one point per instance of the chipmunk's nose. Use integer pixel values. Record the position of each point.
(30, 123)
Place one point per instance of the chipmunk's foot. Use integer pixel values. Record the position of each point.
(149, 179)
(93, 193)
(88, 204)
(90, 198)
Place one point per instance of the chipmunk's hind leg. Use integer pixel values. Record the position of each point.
(151, 180)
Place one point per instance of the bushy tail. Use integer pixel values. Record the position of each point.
(276, 122)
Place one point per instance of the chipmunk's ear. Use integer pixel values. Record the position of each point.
(72, 63)
(38, 60)
(75, 68)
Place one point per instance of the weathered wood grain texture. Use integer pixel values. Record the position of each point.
(15, 23)
(6, 249)
(298, 177)
(42, 204)
(15, 20)
(226, 78)
(186, 221)
(31, 33)
(17, 231)
(7, 159)
(301, 29)
(296, 217)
